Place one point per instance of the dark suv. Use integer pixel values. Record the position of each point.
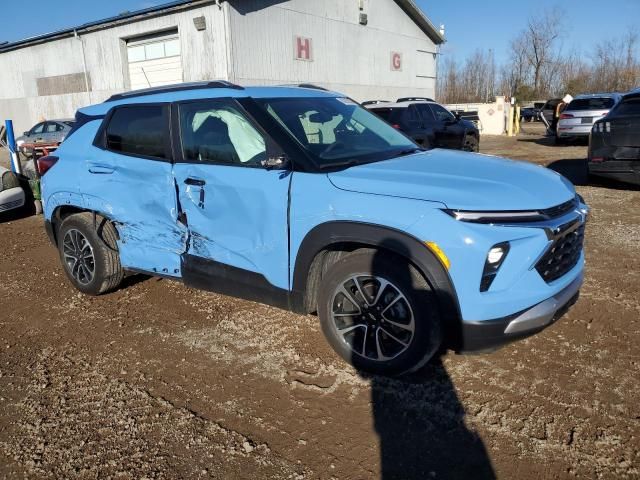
(614, 143)
(429, 124)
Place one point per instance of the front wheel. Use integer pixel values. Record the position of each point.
(89, 253)
(471, 144)
(379, 313)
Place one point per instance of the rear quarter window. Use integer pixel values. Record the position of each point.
(628, 107)
(138, 131)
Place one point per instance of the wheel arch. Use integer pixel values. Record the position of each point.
(63, 211)
(325, 243)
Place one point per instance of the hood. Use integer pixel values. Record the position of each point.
(460, 180)
(468, 124)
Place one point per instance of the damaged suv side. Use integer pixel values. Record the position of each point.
(304, 200)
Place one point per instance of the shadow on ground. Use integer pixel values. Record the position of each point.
(420, 424)
(418, 418)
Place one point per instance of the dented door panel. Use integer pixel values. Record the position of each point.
(237, 216)
(139, 195)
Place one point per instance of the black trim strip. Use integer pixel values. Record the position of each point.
(205, 274)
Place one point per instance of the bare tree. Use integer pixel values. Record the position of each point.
(539, 41)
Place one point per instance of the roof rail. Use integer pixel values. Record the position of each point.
(311, 85)
(174, 88)
(415, 99)
(373, 102)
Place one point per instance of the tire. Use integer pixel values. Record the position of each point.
(89, 253)
(471, 144)
(396, 334)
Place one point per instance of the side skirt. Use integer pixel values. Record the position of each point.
(205, 274)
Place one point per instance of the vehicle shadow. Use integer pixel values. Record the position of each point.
(419, 418)
(577, 171)
(574, 169)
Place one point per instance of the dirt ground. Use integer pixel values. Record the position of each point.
(160, 381)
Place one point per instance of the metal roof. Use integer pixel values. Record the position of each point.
(409, 7)
(125, 17)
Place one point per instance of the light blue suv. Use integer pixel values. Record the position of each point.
(302, 199)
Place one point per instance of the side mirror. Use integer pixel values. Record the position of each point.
(275, 163)
(25, 133)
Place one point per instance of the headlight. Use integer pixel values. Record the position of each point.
(495, 259)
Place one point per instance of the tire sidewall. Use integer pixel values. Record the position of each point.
(427, 334)
(98, 246)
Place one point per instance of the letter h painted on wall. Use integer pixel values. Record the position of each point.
(302, 49)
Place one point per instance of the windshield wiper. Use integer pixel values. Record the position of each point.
(344, 163)
(409, 151)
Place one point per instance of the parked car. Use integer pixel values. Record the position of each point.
(45, 133)
(429, 124)
(528, 114)
(614, 144)
(577, 119)
(303, 199)
(11, 193)
(548, 109)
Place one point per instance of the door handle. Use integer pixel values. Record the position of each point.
(197, 182)
(101, 169)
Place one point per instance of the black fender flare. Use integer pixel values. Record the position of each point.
(340, 232)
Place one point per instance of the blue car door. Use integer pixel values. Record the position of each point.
(128, 177)
(236, 209)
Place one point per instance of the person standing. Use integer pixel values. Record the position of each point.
(566, 100)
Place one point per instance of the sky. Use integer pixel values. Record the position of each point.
(470, 24)
(491, 24)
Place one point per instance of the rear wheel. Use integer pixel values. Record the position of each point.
(471, 144)
(379, 313)
(89, 253)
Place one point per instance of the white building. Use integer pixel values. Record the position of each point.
(368, 49)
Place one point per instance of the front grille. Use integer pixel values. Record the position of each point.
(9, 205)
(559, 210)
(563, 254)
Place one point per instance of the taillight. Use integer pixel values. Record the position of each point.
(396, 126)
(564, 116)
(45, 163)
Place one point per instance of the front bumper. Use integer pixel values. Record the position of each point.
(11, 199)
(491, 334)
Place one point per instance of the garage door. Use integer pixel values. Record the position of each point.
(154, 60)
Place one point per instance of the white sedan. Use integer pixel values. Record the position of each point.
(11, 193)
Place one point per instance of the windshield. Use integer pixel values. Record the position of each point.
(337, 131)
(596, 103)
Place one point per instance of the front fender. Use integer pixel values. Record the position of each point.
(332, 233)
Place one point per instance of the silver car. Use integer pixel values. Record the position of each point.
(49, 132)
(11, 193)
(577, 119)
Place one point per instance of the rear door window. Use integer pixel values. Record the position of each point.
(139, 131)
